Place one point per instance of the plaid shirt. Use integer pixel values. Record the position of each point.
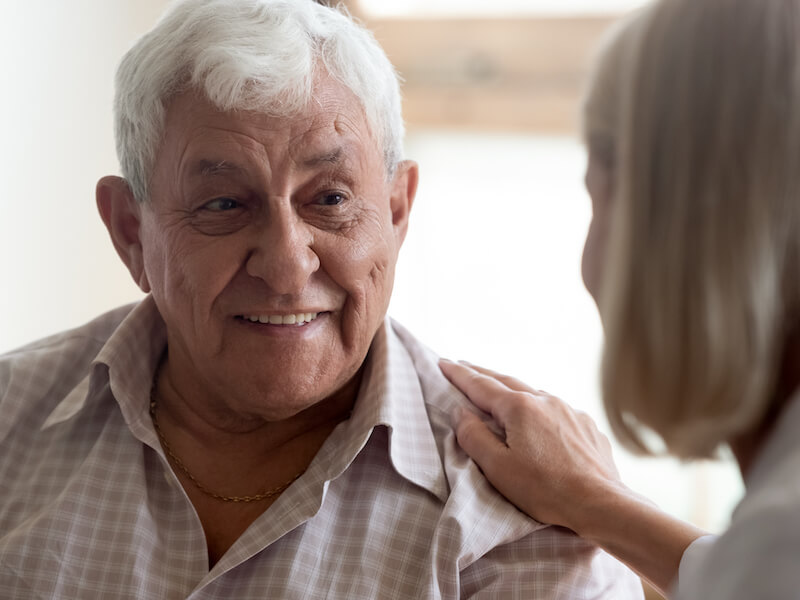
(389, 508)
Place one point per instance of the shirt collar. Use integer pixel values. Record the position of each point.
(126, 364)
(391, 396)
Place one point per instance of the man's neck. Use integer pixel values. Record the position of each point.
(211, 424)
(222, 463)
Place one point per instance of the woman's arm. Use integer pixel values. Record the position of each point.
(556, 466)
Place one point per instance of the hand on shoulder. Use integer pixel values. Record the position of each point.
(555, 465)
(553, 460)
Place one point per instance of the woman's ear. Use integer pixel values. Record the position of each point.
(121, 214)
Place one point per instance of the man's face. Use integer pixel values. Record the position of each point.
(269, 245)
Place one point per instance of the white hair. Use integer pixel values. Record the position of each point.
(248, 55)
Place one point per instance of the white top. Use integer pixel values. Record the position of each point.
(758, 558)
(390, 507)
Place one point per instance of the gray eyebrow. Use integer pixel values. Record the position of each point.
(332, 157)
(211, 168)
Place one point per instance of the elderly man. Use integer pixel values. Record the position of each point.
(255, 427)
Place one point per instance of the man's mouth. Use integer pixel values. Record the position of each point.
(294, 319)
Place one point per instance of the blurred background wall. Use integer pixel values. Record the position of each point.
(57, 267)
(490, 271)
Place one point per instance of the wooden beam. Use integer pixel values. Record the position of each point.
(501, 74)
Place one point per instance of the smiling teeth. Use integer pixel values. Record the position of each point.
(297, 319)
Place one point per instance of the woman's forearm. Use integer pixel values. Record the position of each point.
(631, 528)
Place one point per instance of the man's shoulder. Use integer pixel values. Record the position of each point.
(530, 558)
(442, 399)
(438, 392)
(97, 330)
(468, 491)
(55, 363)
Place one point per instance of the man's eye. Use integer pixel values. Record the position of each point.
(332, 199)
(222, 204)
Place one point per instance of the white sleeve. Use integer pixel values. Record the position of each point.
(691, 565)
(758, 558)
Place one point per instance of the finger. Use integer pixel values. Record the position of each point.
(507, 380)
(484, 391)
(477, 440)
(586, 421)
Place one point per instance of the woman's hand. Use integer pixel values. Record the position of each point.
(556, 466)
(553, 462)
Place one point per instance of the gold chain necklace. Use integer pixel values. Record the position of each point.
(179, 463)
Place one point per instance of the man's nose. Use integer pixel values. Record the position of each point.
(281, 253)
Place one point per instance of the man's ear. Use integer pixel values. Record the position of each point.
(121, 214)
(404, 189)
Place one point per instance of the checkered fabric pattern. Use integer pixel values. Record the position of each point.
(389, 508)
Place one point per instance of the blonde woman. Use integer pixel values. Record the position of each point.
(693, 257)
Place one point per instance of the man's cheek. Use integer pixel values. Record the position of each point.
(372, 269)
(367, 280)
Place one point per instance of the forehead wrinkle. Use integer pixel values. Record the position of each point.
(232, 156)
(311, 152)
(332, 157)
(332, 135)
(212, 168)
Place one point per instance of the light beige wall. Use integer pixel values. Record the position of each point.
(57, 61)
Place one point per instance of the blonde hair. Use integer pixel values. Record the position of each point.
(600, 107)
(701, 284)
